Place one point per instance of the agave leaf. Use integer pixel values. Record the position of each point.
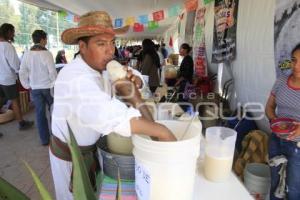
(119, 185)
(10, 192)
(99, 179)
(41, 188)
(82, 187)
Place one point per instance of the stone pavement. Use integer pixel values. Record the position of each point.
(16, 146)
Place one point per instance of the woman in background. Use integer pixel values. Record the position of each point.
(284, 101)
(150, 64)
(60, 60)
(186, 72)
(60, 57)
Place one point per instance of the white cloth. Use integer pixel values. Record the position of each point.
(161, 58)
(275, 162)
(9, 64)
(37, 70)
(82, 97)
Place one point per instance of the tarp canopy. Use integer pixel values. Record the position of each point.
(253, 70)
(117, 9)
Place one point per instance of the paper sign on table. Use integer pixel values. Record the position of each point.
(142, 181)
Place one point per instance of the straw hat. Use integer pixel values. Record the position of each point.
(90, 24)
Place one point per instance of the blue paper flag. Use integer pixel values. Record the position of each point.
(70, 17)
(174, 10)
(143, 19)
(118, 22)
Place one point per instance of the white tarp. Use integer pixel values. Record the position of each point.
(253, 69)
(119, 9)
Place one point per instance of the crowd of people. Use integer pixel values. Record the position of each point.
(83, 103)
(80, 94)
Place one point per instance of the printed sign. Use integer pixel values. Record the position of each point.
(199, 52)
(142, 182)
(224, 40)
(286, 34)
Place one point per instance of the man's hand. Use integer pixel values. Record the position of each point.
(127, 90)
(167, 136)
(133, 78)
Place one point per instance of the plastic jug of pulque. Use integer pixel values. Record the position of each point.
(219, 151)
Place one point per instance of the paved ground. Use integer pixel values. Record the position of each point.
(16, 146)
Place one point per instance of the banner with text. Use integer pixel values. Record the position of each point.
(199, 51)
(224, 41)
(286, 33)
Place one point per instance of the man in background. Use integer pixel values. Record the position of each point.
(9, 67)
(38, 73)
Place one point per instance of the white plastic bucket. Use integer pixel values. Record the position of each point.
(166, 170)
(168, 111)
(257, 179)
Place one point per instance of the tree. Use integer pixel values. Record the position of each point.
(27, 24)
(7, 12)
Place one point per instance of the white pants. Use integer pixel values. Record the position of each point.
(61, 173)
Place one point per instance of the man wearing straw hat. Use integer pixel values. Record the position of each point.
(83, 103)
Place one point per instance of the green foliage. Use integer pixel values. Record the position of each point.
(28, 18)
(41, 188)
(27, 24)
(9, 192)
(6, 11)
(119, 185)
(82, 188)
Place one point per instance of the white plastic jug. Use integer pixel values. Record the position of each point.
(219, 150)
(166, 170)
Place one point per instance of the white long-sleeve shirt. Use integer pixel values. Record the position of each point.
(82, 96)
(37, 70)
(9, 64)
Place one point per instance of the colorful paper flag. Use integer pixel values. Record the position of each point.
(174, 10)
(137, 27)
(171, 42)
(143, 19)
(70, 17)
(158, 15)
(152, 25)
(191, 5)
(130, 21)
(62, 14)
(76, 18)
(207, 1)
(118, 22)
